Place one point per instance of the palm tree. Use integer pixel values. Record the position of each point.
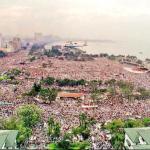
(56, 133)
(127, 92)
(82, 119)
(48, 95)
(50, 125)
(112, 84)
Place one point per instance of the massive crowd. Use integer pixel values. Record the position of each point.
(67, 111)
(100, 69)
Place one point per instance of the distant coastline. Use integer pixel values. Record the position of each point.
(112, 48)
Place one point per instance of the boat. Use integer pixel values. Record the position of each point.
(71, 44)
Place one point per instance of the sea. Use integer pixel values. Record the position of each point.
(115, 48)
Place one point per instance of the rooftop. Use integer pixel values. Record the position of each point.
(70, 95)
(8, 138)
(140, 147)
(134, 134)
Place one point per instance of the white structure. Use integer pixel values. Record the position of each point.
(137, 138)
(8, 139)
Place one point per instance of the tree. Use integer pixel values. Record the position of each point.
(111, 91)
(130, 123)
(48, 95)
(11, 123)
(146, 122)
(80, 145)
(56, 133)
(67, 142)
(4, 77)
(11, 74)
(81, 82)
(116, 128)
(49, 81)
(29, 114)
(115, 125)
(81, 130)
(95, 95)
(50, 125)
(64, 144)
(86, 121)
(37, 87)
(53, 52)
(68, 136)
(14, 123)
(85, 133)
(144, 93)
(68, 82)
(127, 92)
(118, 141)
(126, 89)
(2, 123)
(24, 133)
(15, 72)
(35, 90)
(84, 128)
(53, 146)
(95, 92)
(26, 117)
(82, 119)
(53, 129)
(112, 84)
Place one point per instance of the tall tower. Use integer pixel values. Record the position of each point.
(16, 43)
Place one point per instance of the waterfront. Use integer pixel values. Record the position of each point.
(115, 48)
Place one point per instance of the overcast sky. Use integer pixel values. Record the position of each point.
(94, 19)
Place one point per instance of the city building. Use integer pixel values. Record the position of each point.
(7, 47)
(1, 41)
(8, 139)
(12, 45)
(137, 138)
(16, 43)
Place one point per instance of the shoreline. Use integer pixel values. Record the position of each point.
(97, 47)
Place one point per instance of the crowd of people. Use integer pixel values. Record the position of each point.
(67, 111)
(97, 69)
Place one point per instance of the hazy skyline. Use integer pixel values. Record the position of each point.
(118, 20)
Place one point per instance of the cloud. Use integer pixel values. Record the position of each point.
(90, 18)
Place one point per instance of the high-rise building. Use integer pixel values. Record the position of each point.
(13, 45)
(16, 43)
(1, 40)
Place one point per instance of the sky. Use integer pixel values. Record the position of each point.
(117, 20)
